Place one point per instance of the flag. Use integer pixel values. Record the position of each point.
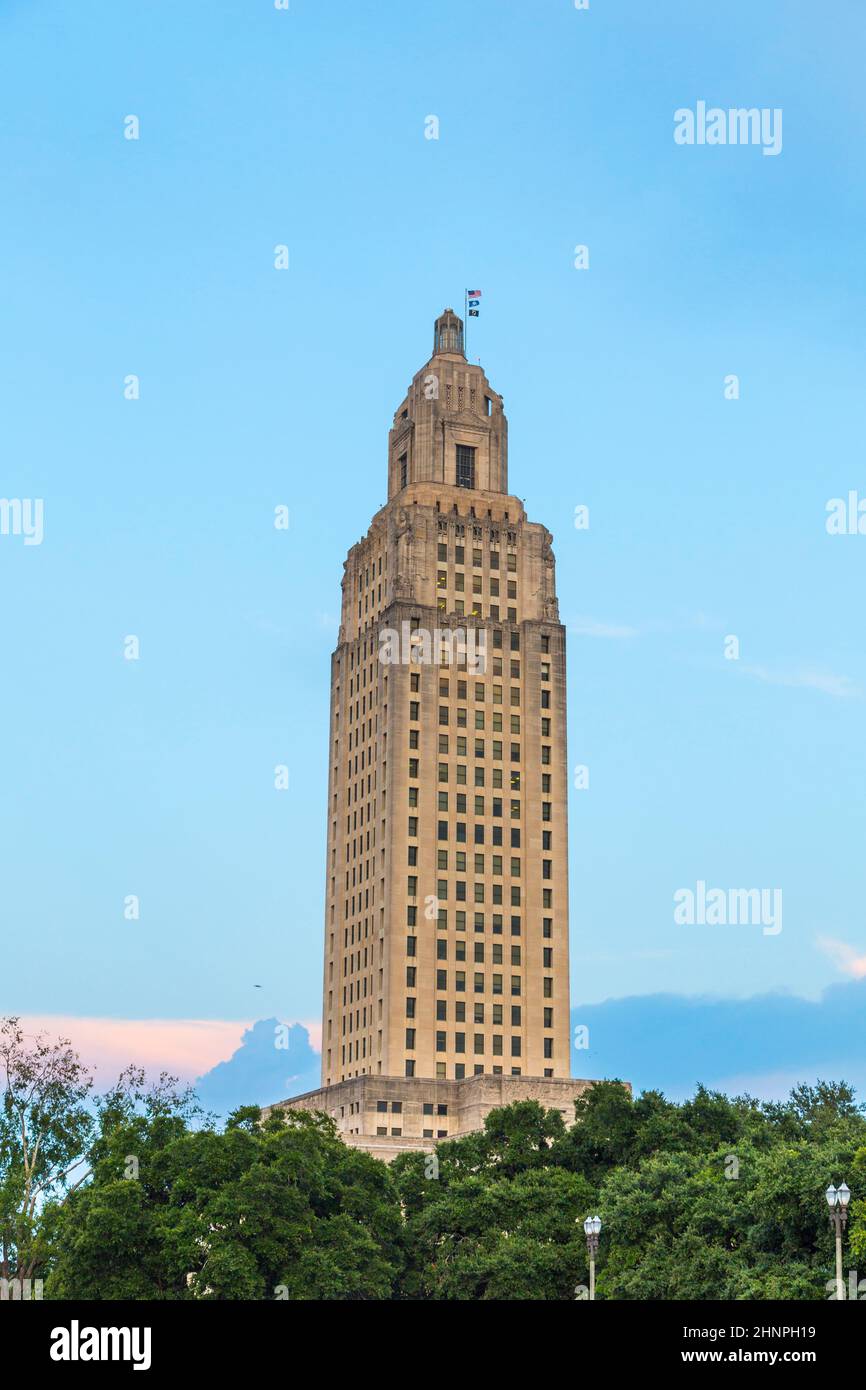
(473, 299)
(474, 294)
(473, 313)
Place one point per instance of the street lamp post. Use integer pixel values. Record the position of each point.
(592, 1228)
(837, 1200)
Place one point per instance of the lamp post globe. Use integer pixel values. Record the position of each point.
(592, 1229)
(837, 1200)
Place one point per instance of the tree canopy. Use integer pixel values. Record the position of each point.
(136, 1194)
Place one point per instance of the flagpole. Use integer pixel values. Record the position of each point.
(466, 324)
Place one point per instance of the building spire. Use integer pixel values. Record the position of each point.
(448, 334)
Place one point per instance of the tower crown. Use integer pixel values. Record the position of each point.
(450, 429)
(448, 334)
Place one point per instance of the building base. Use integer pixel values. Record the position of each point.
(389, 1115)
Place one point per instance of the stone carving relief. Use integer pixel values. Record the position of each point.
(549, 600)
(405, 538)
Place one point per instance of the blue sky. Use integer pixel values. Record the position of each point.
(259, 388)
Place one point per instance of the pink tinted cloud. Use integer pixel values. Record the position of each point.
(185, 1047)
(845, 956)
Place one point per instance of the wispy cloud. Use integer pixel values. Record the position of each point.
(844, 956)
(272, 628)
(840, 687)
(590, 627)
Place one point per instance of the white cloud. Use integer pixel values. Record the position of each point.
(844, 956)
(841, 687)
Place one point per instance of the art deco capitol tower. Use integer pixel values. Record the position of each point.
(446, 896)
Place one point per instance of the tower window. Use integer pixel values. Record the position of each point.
(465, 466)
(404, 469)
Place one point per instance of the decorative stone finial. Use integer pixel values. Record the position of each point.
(448, 333)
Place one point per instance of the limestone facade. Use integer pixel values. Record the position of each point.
(446, 895)
(389, 1115)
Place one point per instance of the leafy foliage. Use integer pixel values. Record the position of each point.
(712, 1199)
(137, 1195)
(276, 1210)
(45, 1124)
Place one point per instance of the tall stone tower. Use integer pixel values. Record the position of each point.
(446, 895)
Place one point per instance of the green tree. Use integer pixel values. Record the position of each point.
(492, 1216)
(715, 1198)
(282, 1209)
(45, 1127)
